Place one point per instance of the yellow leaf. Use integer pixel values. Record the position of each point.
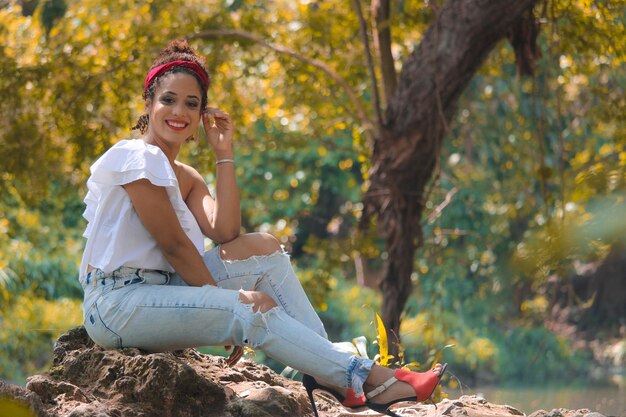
(345, 164)
(383, 345)
(606, 149)
(412, 366)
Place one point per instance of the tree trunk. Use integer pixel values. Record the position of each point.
(594, 299)
(406, 152)
(608, 286)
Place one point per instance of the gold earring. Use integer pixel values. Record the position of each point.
(142, 123)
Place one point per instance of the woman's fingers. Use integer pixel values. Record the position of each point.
(217, 118)
(235, 355)
(215, 113)
(219, 129)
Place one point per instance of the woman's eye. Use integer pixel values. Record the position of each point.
(192, 104)
(167, 100)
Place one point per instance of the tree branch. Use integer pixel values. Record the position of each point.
(223, 33)
(458, 50)
(382, 44)
(446, 201)
(370, 62)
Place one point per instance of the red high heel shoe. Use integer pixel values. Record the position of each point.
(350, 401)
(423, 383)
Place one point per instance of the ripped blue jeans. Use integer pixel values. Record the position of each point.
(157, 311)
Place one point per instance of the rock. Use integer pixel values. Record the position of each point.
(475, 406)
(561, 412)
(22, 395)
(88, 381)
(538, 413)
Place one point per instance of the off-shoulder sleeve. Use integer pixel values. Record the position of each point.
(131, 160)
(125, 162)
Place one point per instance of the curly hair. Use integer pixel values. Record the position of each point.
(176, 50)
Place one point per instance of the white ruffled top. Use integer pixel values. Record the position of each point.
(115, 235)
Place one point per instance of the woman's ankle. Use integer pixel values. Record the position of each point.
(378, 375)
(340, 390)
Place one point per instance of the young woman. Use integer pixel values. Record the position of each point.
(148, 282)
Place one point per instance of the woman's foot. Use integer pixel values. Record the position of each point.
(384, 387)
(425, 383)
(346, 396)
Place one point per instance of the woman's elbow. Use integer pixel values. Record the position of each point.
(228, 235)
(224, 233)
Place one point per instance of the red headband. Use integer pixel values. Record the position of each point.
(162, 69)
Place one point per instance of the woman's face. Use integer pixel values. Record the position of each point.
(175, 109)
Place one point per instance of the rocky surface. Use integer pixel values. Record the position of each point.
(87, 381)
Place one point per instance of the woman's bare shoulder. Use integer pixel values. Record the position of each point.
(188, 171)
(189, 179)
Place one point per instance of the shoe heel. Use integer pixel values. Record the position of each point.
(309, 385)
(312, 401)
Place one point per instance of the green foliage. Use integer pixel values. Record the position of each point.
(348, 312)
(29, 326)
(532, 174)
(521, 353)
(41, 245)
(550, 359)
(531, 181)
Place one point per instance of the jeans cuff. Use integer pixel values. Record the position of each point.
(357, 372)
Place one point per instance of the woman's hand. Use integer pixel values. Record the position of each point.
(235, 355)
(219, 216)
(219, 130)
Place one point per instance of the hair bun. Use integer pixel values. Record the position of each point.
(178, 46)
(179, 49)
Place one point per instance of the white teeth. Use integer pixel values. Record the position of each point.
(174, 124)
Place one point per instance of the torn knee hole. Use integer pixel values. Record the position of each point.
(261, 302)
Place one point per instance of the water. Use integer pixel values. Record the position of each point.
(607, 400)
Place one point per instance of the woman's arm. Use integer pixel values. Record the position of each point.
(155, 211)
(219, 218)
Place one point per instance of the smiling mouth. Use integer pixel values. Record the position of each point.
(176, 125)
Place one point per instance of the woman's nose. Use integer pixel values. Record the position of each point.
(178, 110)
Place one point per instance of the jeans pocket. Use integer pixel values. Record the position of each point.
(99, 332)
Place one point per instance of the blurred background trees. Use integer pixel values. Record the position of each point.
(523, 218)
